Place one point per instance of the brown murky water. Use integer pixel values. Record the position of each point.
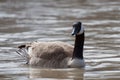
(24, 21)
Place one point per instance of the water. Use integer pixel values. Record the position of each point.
(24, 21)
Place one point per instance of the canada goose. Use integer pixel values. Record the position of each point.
(56, 54)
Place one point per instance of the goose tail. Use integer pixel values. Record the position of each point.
(23, 52)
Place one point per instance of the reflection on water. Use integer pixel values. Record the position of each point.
(23, 21)
(56, 73)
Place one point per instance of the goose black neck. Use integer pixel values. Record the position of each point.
(79, 45)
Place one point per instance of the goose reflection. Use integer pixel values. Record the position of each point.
(69, 73)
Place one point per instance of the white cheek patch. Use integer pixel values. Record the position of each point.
(82, 30)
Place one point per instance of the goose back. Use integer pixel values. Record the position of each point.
(49, 54)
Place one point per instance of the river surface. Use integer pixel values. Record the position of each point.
(23, 21)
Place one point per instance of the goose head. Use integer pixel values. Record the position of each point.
(77, 59)
(77, 29)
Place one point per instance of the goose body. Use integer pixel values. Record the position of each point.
(55, 54)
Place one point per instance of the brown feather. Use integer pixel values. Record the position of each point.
(50, 54)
